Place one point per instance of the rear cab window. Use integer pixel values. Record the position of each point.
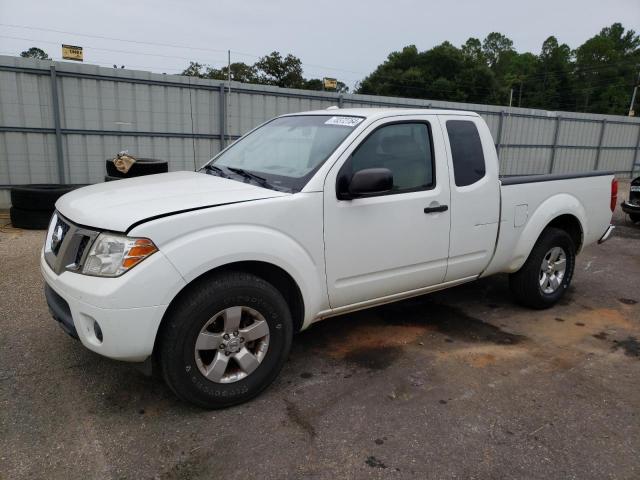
(466, 152)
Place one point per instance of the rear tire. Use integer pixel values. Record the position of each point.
(188, 363)
(540, 283)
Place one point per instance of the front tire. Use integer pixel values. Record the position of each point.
(225, 340)
(547, 273)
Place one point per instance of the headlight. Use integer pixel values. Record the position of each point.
(112, 255)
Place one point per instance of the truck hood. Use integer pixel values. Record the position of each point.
(119, 205)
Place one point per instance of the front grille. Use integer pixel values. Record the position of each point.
(66, 244)
(81, 248)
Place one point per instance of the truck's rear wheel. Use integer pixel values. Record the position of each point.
(225, 340)
(547, 273)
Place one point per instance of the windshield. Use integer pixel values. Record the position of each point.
(284, 153)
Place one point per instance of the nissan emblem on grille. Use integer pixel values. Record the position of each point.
(56, 238)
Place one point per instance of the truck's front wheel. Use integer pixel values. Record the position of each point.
(225, 340)
(547, 273)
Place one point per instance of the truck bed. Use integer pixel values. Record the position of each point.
(530, 202)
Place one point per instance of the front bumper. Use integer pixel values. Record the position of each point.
(629, 207)
(128, 309)
(60, 311)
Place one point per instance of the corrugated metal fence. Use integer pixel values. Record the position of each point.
(60, 121)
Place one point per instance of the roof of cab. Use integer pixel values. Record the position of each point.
(373, 113)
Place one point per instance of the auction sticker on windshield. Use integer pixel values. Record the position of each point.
(344, 121)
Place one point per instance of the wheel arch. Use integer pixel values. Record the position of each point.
(561, 211)
(571, 225)
(567, 222)
(275, 275)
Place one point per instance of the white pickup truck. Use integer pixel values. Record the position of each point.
(209, 274)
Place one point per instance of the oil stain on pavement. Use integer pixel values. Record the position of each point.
(376, 339)
(630, 346)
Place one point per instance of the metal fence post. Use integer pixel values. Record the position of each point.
(555, 143)
(602, 129)
(223, 117)
(499, 139)
(56, 124)
(634, 162)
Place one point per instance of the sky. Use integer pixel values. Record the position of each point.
(346, 39)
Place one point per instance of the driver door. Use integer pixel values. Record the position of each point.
(397, 241)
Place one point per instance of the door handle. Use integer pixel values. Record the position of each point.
(438, 209)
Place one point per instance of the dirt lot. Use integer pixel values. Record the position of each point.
(457, 384)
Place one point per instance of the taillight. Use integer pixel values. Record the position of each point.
(614, 193)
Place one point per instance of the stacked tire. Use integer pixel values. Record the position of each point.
(142, 166)
(33, 205)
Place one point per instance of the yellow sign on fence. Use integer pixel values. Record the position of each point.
(71, 52)
(330, 83)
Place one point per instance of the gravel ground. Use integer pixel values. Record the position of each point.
(457, 384)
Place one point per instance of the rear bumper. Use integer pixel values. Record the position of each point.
(629, 207)
(606, 234)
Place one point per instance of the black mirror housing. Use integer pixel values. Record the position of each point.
(370, 181)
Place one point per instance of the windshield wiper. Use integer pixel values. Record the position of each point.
(243, 173)
(218, 171)
(252, 176)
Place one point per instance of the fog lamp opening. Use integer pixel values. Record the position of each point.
(97, 331)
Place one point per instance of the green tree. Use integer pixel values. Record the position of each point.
(35, 52)
(472, 51)
(401, 75)
(342, 87)
(479, 84)
(444, 72)
(553, 89)
(478, 80)
(596, 77)
(520, 75)
(606, 67)
(274, 69)
(313, 84)
(194, 69)
(495, 46)
(240, 72)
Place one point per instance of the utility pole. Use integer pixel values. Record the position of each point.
(633, 97)
(510, 96)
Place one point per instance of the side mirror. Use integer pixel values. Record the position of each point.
(370, 181)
